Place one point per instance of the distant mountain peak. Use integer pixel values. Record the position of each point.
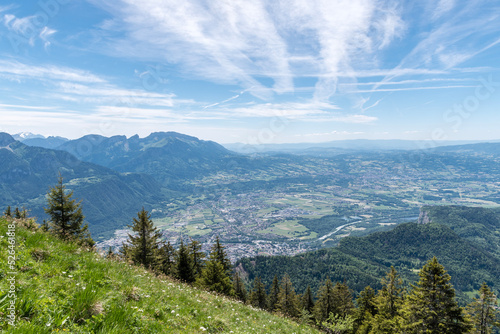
(26, 135)
(6, 139)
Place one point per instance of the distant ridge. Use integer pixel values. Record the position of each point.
(6, 139)
(344, 146)
(164, 155)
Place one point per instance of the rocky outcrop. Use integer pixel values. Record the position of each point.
(423, 217)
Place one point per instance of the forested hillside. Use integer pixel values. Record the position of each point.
(480, 226)
(361, 261)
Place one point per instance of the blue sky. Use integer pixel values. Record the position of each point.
(252, 71)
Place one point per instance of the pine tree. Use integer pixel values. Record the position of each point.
(66, 217)
(365, 310)
(17, 213)
(197, 257)
(308, 300)
(431, 306)
(325, 303)
(219, 253)
(483, 311)
(335, 299)
(343, 302)
(389, 303)
(166, 259)
(214, 278)
(215, 275)
(273, 294)
(142, 248)
(288, 303)
(184, 264)
(239, 288)
(258, 297)
(8, 212)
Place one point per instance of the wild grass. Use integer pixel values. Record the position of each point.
(62, 288)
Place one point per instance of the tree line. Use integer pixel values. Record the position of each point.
(429, 306)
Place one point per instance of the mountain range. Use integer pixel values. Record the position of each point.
(110, 198)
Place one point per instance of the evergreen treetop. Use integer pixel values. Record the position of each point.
(184, 264)
(66, 217)
(142, 247)
(288, 303)
(218, 253)
(483, 311)
(258, 297)
(431, 306)
(8, 212)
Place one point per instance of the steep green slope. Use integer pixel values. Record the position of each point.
(361, 261)
(410, 245)
(109, 198)
(62, 288)
(480, 226)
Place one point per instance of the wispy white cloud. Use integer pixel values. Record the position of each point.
(380, 90)
(45, 36)
(243, 41)
(286, 110)
(442, 7)
(27, 28)
(17, 71)
(20, 26)
(78, 86)
(466, 32)
(110, 93)
(6, 8)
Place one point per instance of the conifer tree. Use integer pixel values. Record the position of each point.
(365, 310)
(288, 303)
(239, 288)
(308, 300)
(325, 303)
(483, 311)
(197, 257)
(8, 212)
(333, 299)
(273, 294)
(17, 213)
(66, 217)
(166, 259)
(389, 303)
(184, 264)
(431, 306)
(258, 297)
(220, 255)
(343, 302)
(215, 275)
(214, 278)
(142, 248)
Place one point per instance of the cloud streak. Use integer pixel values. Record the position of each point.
(243, 41)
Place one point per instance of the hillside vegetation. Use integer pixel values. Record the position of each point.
(362, 261)
(63, 288)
